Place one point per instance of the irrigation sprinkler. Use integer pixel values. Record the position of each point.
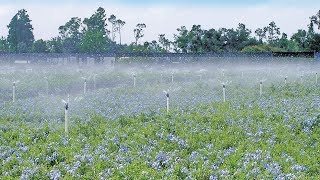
(134, 80)
(66, 108)
(47, 85)
(14, 92)
(260, 88)
(168, 99)
(285, 80)
(224, 89)
(224, 92)
(84, 85)
(172, 78)
(94, 82)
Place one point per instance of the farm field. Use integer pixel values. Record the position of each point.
(265, 123)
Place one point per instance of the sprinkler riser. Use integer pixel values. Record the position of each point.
(66, 121)
(13, 92)
(224, 93)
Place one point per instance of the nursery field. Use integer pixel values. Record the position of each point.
(174, 121)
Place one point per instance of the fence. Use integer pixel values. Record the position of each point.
(317, 56)
(64, 58)
(54, 58)
(294, 54)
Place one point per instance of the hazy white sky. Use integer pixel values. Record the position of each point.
(164, 16)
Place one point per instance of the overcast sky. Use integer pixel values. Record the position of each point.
(163, 16)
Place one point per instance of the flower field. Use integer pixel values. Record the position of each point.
(267, 128)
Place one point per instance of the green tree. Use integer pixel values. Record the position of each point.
(261, 34)
(114, 28)
(55, 45)
(301, 38)
(316, 19)
(71, 35)
(273, 32)
(94, 42)
(243, 38)
(211, 41)
(40, 46)
(315, 43)
(284, 43)
(4, 45)
(139, 32)
(97, 22)
(165, 43)
(120, 24)
(195, 36)
(181, 40)
(20, 35)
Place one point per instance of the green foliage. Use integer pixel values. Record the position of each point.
(40, 46)
(261, 48)
(55, 45)
(4, 45)
(20, 35)
(94, 42)
(315, 42)
(223, 40)
(300, 38)
(97, 22)
(74, 37)
(71, 35)
(138, 32)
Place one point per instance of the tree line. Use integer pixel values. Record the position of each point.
(102, 34)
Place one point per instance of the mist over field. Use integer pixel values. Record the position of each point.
(99, 99)
(134, 119)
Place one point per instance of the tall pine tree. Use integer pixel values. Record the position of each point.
(20, 37)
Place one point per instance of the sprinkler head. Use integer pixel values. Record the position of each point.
(66, 106)
(167, 95)
(224, 86)
(260, 82)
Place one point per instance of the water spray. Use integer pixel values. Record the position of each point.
(14, 92)
(47, 85)
(94, 82)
